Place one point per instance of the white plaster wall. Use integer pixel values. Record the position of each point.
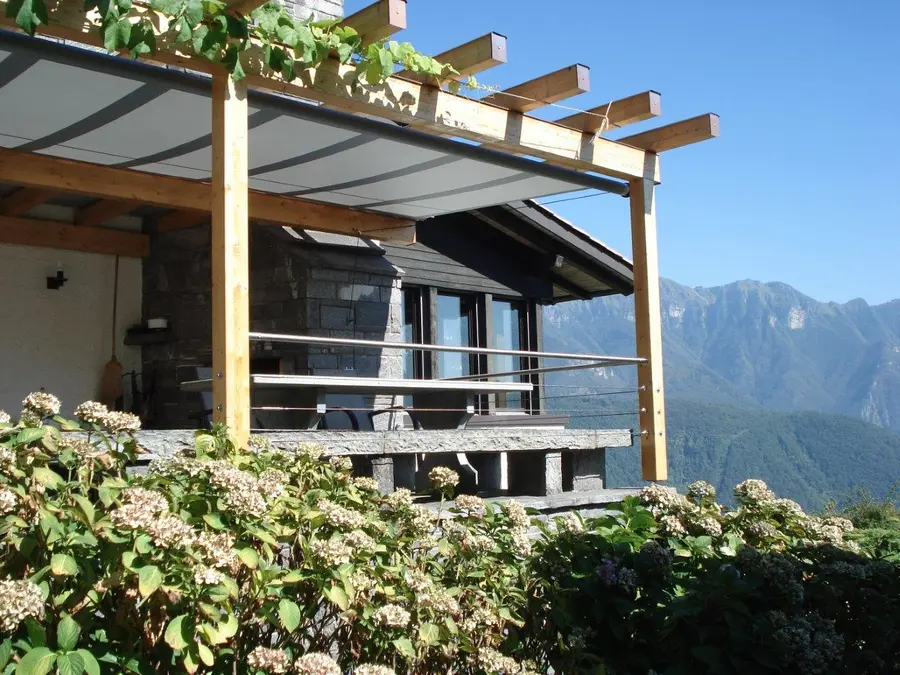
(60, 340)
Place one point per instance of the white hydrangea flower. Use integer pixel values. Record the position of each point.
(392, 616)
(437, 600)
(342, 464)
(331, 552)
(470, 503)
(19, 600)
(496, 663)
(339, 516)
(672, 525)
(359, 541)
(366, 484)
(316, 663)
(92, 412)
(118, 422)
(217, 549)
(521, 541)
(417, 580)
(41, 403)
(752, 492)
(443, 478)
(8, 501)
(373, 669)
(4, 417)
(516, 514)
(207, 576)
(7, 460)
(399, 498)
(271, 483)
(311, 450)
(272, 661)
(569, 523)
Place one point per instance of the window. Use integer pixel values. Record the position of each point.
(413, 332)
(456, 327)
(432, 316)
(510, 332)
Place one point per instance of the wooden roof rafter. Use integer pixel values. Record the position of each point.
(379, 20)
(102, 211)
(65, 236)
(24, 199)
(471, 58)
(616, 114)
(544, 90)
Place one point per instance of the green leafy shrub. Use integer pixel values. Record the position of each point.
(674, 583)
(239, 562)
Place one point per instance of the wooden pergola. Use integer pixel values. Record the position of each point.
(500, 122)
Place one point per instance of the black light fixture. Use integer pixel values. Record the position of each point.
(55, 283)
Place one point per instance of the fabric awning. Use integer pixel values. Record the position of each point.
(79, 104)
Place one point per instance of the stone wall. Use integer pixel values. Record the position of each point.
(320, 9)
(295, 288)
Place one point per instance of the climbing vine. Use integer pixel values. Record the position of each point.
(214, 32)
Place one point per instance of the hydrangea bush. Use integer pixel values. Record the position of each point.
(228, 561)
(263, 561)
(673, 583)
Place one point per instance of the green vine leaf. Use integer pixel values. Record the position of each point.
(29, 14)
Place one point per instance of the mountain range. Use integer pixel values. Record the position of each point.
(762, 358)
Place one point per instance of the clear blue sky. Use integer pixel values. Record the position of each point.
(803, 185)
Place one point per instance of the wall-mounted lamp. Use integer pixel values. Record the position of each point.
(55, 283)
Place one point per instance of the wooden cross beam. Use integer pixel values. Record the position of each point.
(676, 135)
(544, 90)
(620, 113)
(379, 20)
(471, 58)
(24, 199)
(63, 175)
(103, 211)
(48, 234)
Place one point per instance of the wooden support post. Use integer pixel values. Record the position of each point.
(648, 329)
(230, 257)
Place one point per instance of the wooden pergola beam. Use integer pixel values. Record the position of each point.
(470, 58)
(103, 211)
(49, 234)
(620, 113)
(379, 20)
(230, 257)
(24, 199)
(63, 175)
(676, 135)
(426, 107)
(648, 330)
(544, 90)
